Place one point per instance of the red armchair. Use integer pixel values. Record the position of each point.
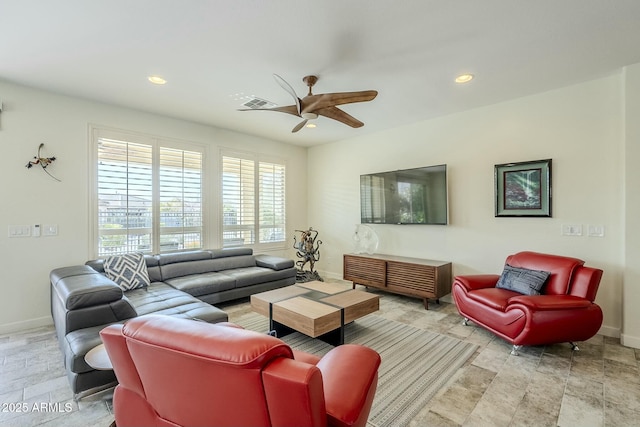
(178, 372)
(563, 312)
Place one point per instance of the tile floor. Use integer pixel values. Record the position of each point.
(544, 386)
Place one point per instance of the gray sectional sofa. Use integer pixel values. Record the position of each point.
(185, 284)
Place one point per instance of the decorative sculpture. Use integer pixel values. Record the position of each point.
(365, 240)
(308, 249)
(42, 161)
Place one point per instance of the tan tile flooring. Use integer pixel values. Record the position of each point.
(544, 386)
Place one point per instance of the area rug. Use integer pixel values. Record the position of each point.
(415, 363)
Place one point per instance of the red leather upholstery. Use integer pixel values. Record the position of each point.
(564, 312)
(178, 372)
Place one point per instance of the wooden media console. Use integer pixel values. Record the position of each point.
(421, 278)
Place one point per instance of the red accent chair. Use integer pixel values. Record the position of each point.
(179, 372)
(563, 312)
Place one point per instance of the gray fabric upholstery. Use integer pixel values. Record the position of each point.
(84, 300)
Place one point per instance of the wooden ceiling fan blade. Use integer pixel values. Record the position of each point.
(299, 126)
(314, 102)
(337, 114)
(286, 86)
(289, 109)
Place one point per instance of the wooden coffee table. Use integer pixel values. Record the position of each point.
(316, 309)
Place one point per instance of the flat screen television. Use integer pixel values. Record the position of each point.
(409, 196)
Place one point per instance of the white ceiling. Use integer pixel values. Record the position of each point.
(408, 50)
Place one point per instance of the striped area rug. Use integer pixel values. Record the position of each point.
(415, 363)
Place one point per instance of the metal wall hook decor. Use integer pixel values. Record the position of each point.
(42, 161)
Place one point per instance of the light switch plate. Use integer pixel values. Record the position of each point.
(19, 231)
(571, 230)
(595, 230)
(50, 230)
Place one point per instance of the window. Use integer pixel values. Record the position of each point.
(253, 200)
(149, 195)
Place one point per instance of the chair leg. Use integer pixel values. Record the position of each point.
(574, 346)
(514, 350)
(465, 321)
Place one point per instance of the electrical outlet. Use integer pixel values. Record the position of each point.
(571, 230)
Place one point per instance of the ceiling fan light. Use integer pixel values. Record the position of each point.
(309, 116)
(464, 78)
(157, 80)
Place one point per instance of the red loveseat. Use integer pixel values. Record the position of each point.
(179, 372)
(563, 312)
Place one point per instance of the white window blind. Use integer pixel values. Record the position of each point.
(272, 202)
(253, 201)
(149, 197)
(180, 199)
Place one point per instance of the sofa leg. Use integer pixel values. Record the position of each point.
(465, 321)
(514, 350)
(574, 346)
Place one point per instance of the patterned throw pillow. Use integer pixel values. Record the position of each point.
(129, 271)
(522, 280)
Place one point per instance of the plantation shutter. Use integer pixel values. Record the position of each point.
(149, 194)
(124, 197)
(180, 195)
(238, 201)
(272, 202)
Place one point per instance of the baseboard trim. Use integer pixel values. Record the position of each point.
(609, 331)
(24, 325)
(629, 341)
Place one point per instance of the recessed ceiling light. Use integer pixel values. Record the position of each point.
(464, 78)
(311, 125)
(157, 80)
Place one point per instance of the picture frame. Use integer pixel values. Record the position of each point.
(523, 189)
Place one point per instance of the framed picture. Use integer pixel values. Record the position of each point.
(523, 189)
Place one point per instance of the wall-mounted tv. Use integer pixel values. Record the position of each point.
(409, 196)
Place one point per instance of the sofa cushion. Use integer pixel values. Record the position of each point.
(81, 286)
(497, 299)
(522, 280)
(203, 284)
(560, 267)
(273, 262)
(129, 271)
(253, 275)
(229, 252)
(160, 298)
(230, 263)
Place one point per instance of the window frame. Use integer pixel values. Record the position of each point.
(257, 159)
(96, 133)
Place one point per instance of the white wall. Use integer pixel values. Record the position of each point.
(29, 196)
(578, 127)
(631, 291)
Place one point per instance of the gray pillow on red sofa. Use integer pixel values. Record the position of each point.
(522, 280)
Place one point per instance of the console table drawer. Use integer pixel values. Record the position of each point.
(365, 271)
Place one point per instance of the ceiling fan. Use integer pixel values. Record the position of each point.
(312, 106)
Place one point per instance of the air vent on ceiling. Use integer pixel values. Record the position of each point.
(257, 103)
